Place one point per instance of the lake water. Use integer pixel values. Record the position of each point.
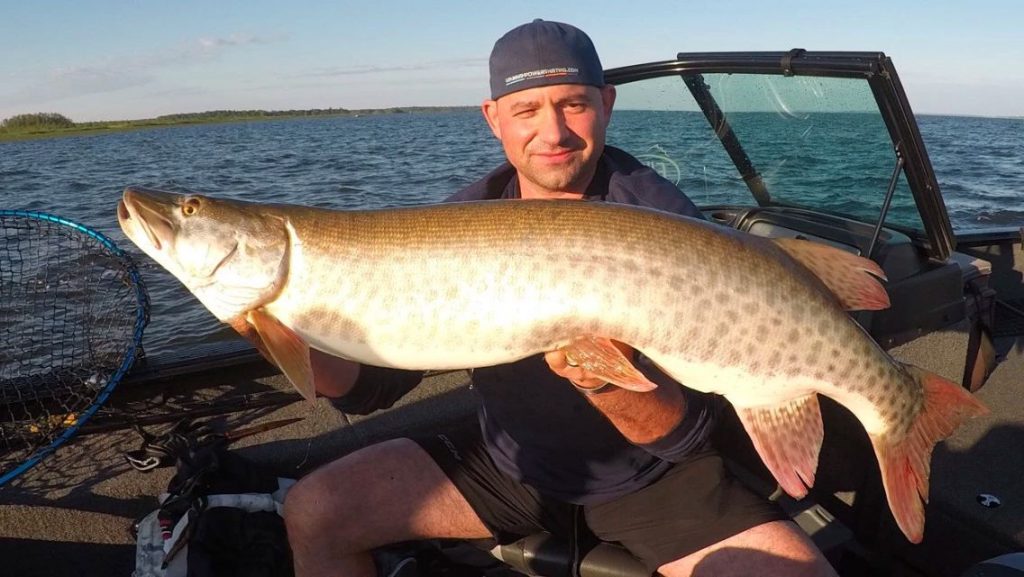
(380, 161)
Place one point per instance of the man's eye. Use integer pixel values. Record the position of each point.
(525, 113)
(576, 106)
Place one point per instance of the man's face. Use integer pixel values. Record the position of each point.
(553, 135)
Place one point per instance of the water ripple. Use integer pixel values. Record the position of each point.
(399, 160)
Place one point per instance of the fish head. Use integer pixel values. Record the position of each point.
(232, 255)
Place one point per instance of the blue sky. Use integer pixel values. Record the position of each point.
(106, 60)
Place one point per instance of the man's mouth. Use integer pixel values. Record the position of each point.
(555, 157)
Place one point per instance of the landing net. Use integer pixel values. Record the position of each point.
(72, 312)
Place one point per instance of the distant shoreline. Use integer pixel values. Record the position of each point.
(230, 116)
(211, 117)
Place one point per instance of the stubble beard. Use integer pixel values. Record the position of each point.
(571, 177)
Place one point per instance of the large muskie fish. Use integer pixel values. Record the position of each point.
(476, 284)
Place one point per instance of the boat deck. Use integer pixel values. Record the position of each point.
(71, 514)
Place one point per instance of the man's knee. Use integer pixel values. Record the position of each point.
(368, 498)
(775, 548)
(303, 510)
(336, 498)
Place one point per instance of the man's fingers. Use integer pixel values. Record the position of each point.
(561, 366)
(557, 361)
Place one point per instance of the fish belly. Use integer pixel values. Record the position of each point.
(458, 313)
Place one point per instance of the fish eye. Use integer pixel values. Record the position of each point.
(190, 206)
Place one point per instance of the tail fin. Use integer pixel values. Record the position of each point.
(906, 462)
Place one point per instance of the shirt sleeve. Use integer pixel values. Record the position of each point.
(693, 431)
(376, 388)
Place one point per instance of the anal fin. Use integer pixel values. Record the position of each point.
(286, 349)
(788, 438)
(601, 356)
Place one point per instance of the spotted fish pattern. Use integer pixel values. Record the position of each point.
(463, 285)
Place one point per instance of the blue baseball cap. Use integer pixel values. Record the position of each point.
(543, 53)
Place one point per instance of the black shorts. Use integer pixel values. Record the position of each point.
(695, 504)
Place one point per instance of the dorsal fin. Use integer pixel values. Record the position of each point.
(853, 279)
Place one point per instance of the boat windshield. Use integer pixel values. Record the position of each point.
(816, 143)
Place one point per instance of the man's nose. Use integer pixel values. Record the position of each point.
(553, 129)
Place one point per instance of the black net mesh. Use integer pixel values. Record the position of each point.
(72, 310)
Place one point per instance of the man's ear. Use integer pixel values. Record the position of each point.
(608, 100)
(490, 110)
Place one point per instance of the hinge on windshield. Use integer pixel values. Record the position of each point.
(787, 60)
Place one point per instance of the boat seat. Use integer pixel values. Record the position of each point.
(550, 556)
(547, 555)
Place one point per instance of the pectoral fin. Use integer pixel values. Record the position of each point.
(286, 350)
(243, 327)
(788, 438)
(600, 356)
(853, 279)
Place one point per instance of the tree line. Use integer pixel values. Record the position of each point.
(213, 114)
(41, 120)
(47, 123)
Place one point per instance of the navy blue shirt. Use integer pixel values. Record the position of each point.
(536, 426)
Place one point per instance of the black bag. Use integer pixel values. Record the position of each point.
(220, 517)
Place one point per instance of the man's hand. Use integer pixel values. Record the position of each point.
(640, 417)
(579, 376)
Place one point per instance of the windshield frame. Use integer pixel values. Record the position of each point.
(873, 67)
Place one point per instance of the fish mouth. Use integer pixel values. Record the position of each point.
(140, 210)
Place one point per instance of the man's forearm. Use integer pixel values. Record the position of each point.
(643, 418)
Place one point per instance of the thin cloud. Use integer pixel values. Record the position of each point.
(220, 43)
(78, 81)
(116, 74)
(378, 69)
(178, 91)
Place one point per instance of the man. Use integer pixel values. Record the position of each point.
(637, 466)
